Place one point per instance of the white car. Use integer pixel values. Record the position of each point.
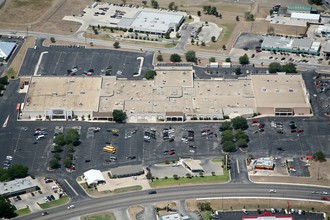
(272, 191)
(70, 207)
(324, 193)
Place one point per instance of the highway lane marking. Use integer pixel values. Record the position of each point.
(237, 166)
(71, 187)
(6, 122)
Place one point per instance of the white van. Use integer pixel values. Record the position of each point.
(40, 137)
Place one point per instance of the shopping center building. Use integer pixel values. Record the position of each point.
(174, 95)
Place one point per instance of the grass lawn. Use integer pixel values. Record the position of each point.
(11, 73)
(54, 203)
(226, 32)
(194, 180)
(23, 211)
(128, 189)
(100, 216)
(206, 215)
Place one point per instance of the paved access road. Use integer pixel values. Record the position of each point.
(177, 193)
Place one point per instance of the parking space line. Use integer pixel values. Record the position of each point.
(75, 192)
(237, 164)
(58, 60)
(90, 64)
(6, 122)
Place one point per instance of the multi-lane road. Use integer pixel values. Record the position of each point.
(220, 191)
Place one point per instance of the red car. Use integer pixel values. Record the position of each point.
(324, 198)
(299, 130)
(171, 153)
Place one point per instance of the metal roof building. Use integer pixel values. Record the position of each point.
(17, 186)
(93, 177)
(6, 49)
(126, 171)
(300, 8)
(153, 22)
(293, 45)
(305, 16)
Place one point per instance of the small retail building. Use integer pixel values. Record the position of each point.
(267, 216)
(173, 216)
(264, 163)
(126, 171)
(192, 165)
(17, 187)
(93, 177)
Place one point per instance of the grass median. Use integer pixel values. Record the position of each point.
(23, 211)
(57, 202)
(128, 189)
(100, 216)
(164, 182)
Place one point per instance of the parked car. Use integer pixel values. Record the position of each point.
(152, 192)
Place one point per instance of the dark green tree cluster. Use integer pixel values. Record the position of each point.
(210, 10)
(150, 74)
(277, 67)
(175, 58)
(69, 140)
(191, 56)
(3, 82)
(248, 16)
(15, 171)
(319, 156)
(119, 116)
(205, 206)
(244, 60)
(231, 139)
(154, 4)
(7, 210)
(315, 2)
(172, 6)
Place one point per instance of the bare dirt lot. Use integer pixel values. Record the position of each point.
(46, 16)
(253, 204)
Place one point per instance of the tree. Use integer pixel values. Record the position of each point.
(175, 176)
(73, 137)
(239, 134)
(274, 67)
(239, 123)
(289, 68)
(175, 58)
(248, 16)
(214, 39)
(150, 74)
(171, 6)
(225, 126)
(144, 3)
(59, 140)
(57, 156)
(116, 44)
(167, 35)
(244, 59)
(67, 162)
(54, 164)
(238, 71)
(241, 143)
(228, 60)
(212, 59)
(154, 4)
(220, 16)
(17, 171)
(237, 18)
(58, 148)
(191, 56)
(199, 13)
(315, 2)
(119, 116)
(224, 47)
(70, 148)
(6, 209)
(203, 44)
(271, 12)
(52, 39)
(227, 135)
(319, 156)
(228, 146)
(160, 58)
(4, 80)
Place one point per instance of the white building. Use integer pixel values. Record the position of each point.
(313, 18)
(93, 177)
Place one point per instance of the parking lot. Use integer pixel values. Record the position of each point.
(73, 60)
